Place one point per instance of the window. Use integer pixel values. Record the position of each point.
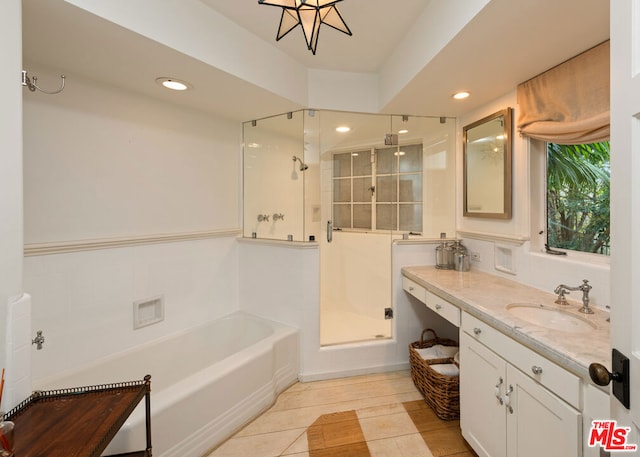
(578, 178)
(378, 189)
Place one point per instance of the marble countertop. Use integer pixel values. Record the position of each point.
(486, 296)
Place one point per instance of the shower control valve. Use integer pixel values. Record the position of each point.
(263, 218)
(278, 217)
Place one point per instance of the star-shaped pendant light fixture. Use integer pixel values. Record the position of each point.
(310, 15)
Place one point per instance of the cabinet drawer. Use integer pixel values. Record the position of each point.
(444, 308)
(414, 289)
(564, 384)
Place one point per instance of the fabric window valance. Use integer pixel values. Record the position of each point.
(568, 104)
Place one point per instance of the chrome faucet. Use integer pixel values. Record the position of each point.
(584, 287)
(561, 300)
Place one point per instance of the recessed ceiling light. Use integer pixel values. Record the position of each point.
(403, 131)
(461, 95)
(343, 129)
(173, 83)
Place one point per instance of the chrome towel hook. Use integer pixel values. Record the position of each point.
(32, 84)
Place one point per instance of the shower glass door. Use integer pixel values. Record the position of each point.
(353, 183)
(384, 178)
(357, 232)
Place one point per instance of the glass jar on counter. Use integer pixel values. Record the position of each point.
(461, 259)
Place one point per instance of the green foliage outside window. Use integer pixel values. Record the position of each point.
(578, 180)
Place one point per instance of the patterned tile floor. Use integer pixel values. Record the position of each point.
(380, 415)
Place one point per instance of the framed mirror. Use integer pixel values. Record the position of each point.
(487, 166)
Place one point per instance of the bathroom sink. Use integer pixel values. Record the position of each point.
(550, 317)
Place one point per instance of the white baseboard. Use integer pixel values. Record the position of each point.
(321, 376)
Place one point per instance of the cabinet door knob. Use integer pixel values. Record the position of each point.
(438, 307)
(477, 331)
(410, 288)
(536, 369)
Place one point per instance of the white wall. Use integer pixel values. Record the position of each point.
(102, 164)
(280, 281)
(435, 27)
(518, 225)
(341, 90)
(83, 301)
(519, 234)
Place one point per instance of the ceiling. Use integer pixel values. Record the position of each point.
(508, 42)
(376, 26)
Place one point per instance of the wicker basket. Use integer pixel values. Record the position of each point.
(441, 392)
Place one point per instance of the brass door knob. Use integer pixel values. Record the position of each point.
(601, 376)
(619, 374)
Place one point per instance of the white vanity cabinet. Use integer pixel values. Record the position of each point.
(514, 402)
(414, 289)
(447, 310)
(439, 305)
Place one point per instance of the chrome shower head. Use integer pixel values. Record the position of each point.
(303, 166)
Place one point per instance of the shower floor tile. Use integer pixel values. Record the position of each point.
(380, 415)
(339, 327)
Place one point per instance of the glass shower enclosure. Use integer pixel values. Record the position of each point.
(351, 183)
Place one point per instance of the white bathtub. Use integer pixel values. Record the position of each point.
(205, 383)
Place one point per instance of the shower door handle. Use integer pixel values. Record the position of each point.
(329, 232)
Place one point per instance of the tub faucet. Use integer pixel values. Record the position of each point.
(38, 340)
(584, 287)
